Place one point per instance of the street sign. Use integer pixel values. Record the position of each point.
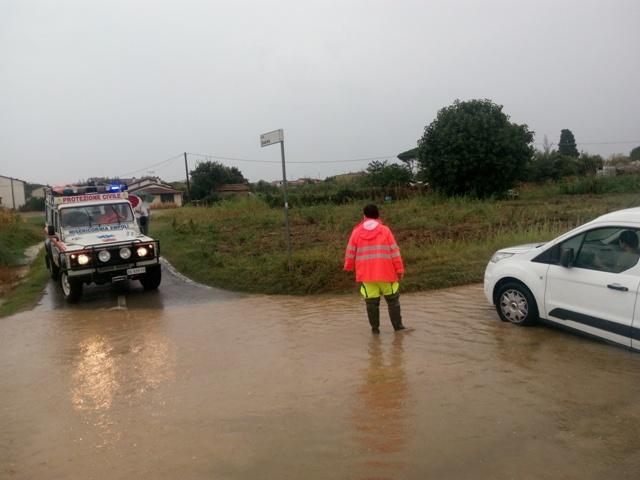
(270, 138)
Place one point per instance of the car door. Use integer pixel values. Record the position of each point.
(596, 291)
(635, 330)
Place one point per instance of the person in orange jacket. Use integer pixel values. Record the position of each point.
(374, 254)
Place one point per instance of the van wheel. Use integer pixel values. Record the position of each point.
(71, 289)
(152, 278)
(516, 304)
(54, 270)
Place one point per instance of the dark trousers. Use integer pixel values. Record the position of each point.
(393, 305)
(143, 223)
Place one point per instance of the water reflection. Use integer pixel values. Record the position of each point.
(381, 417)
(118, 360)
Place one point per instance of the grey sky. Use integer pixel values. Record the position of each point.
(108, 87)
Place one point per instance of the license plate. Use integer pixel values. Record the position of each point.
(136, 271)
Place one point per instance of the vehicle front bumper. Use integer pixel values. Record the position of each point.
(110, 272)
(489, 281)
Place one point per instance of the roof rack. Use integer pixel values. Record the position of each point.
(71, 190)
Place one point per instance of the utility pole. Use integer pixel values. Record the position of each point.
(269, 138)
(286, 206)
(186, 169)
(13, 196)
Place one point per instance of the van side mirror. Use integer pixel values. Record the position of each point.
(50, 230)
(566, 257)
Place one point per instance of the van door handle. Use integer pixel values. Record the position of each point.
(617, 286)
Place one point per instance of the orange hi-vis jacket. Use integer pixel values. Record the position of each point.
(373, 252)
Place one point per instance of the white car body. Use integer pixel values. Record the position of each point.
(588, 296)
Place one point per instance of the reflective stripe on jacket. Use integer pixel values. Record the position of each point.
(373, 253)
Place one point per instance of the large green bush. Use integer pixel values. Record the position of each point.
(472, 148)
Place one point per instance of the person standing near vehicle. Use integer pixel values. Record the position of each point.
(142, 215)
(374, 254)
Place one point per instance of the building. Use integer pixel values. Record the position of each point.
(163, 196)
(38, 192)
(232, 189)
(297, 183)
(12, 192)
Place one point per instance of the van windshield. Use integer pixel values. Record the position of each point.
(83, 216)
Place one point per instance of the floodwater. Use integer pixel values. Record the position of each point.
(190, 382)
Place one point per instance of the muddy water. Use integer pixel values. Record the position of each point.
(197, 383)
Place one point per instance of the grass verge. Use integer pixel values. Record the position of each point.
(240, 244)
(28, 291)
(16, 234)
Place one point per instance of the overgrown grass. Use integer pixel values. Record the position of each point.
(26, 293)
(16, 234)
(240, 244)
(600, 185)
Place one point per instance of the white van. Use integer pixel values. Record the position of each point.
(585, 280)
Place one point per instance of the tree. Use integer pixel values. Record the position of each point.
(635, 154)
(264, 187)
(381, 174)
(472, 148)
(567, 144)
(545, 165)
(409, 158)
(208, 176)
(590, 164)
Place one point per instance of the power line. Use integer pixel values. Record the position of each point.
(208, 156)
(607, 143)
(595, 143)
(153, 165)
(217, 157)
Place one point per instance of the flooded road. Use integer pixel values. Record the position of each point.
(191, 382)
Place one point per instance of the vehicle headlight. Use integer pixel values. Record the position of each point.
(125, 253)
(500, 256)
(104, 256)
(142, 251)
(83, 259)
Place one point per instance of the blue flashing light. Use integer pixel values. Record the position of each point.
(114, 187)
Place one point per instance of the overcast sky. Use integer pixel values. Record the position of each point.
(91, 88)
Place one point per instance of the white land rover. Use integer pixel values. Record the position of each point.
(92, 237)
(586, 280)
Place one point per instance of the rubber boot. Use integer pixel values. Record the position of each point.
(373, 312)
(393, 304)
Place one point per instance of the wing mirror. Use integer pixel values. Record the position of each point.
(566, 257)
(50, 230)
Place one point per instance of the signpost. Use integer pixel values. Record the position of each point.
(270, 138)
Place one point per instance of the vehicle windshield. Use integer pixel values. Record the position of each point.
(87, 216)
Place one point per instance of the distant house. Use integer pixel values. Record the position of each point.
(163, 195)
(348, 177)
(231, 189)
(606, 171)
(633, 167)
(298, 182)
(12, 192)
(38, 192)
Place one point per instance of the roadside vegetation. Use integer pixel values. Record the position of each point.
(20, 284)
(16, 234)
(240, 245)
(25, 293)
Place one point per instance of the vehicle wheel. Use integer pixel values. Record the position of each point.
(54, 270)
(516, 304)
(151, 279)
(71, 289)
